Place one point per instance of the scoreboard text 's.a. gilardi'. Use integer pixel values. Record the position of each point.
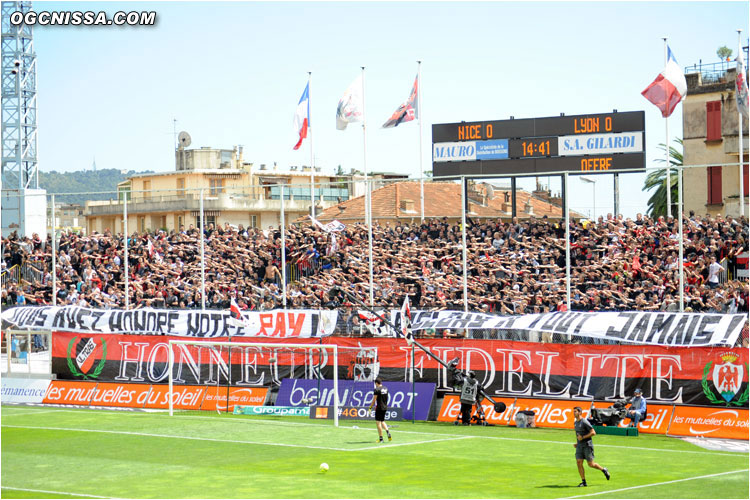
(597, 143)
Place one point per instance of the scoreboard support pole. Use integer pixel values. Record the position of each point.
(564, 193)
(567, 239)
(617, 194)
(513, 208)
(464, 195)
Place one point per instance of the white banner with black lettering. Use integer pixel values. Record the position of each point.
(655, 328)
(300, 323)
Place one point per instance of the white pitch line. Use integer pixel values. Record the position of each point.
(598, 445)
(129, 433)
(24, 413)
(232, 420)
(659, 484)
(53, 492)
(168, 436)
(391, 445)
(523, 440)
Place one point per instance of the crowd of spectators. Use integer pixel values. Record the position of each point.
(514, 267)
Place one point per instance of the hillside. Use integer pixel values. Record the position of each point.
(85, 181)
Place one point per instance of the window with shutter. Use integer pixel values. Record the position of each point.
(713, 121)
(714, 186)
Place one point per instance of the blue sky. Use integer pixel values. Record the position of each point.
(232, 73)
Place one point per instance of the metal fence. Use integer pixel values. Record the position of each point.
(711, 72)
(31, 273)
(12, 275)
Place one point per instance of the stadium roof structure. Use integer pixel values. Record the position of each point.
(401, 201)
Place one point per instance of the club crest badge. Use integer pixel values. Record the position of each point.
(364, 367)
(727, 377)
(82, 354)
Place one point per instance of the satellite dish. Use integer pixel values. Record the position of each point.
(183, 139)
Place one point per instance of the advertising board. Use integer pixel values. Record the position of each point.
(125, 395)
(354, 413)
(293, 391)
(23, 390)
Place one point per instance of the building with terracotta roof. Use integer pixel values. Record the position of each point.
(400, 201)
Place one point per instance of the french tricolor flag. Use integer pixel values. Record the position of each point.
(234, 309)
(669, 88)
(235, 315)
(302, 116)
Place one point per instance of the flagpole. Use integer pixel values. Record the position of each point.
(413, 387)
(666, 149)
(203, 257)
(419, 117)
(283, 249)
(368, 208)
(312, 158)
(125, 237)
(566, 197)
(54, 254)
(463, 241)
(682, 243)
(739, 118)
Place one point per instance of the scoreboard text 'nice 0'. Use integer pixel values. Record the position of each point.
(598, 143)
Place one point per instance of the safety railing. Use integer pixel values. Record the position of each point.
(31, 273)
(12, 275)
(724, 273)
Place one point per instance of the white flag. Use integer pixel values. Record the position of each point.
(350, 106)
(741, 83)
(406, 321)
(332, 227)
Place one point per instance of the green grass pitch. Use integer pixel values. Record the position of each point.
(77, 453)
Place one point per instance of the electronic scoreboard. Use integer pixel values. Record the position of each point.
(597, 143)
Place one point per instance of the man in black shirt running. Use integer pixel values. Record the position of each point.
(585, 446)
(380, 401)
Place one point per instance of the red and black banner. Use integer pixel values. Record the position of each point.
(667, 375)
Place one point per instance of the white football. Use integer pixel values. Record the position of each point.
(324, 467)
(272, 360)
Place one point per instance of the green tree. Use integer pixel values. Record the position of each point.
(657, 204)
(723, 53)
(83, 182)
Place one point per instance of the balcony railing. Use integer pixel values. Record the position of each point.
(191, 202)
(712, 73)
